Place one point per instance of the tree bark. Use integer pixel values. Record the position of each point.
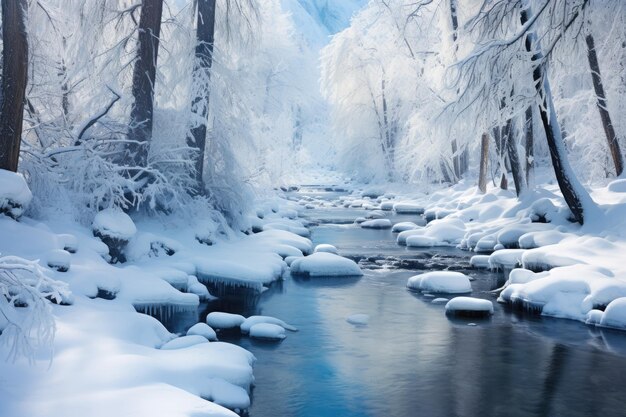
(484, 159)
(205, 36)
(530, 147)
(576, 197)
(607, 124)
(144, 77)
(516, 166)
(14, 79)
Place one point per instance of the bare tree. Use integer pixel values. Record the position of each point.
(144, 78)
(530, 146)
(14, 79)
(484, 159)
(205, 35)
(607, 124)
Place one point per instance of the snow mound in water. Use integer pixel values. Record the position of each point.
(219, 320)
(114, 223)
(184, 342)
(14, 194)
(403, 227)
(254, 320)
(408, 208)
(358, 319)
(480, 261)
(615, 314)
(445, 232)
(377, 224)
(267, 331)
(469, 306)
(387, 205)
(204, 330)
(447, 282)
(439, 300)
(324, 247)
(325, 265)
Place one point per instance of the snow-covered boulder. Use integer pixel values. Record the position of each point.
(387, 205)
(480, 261)
(15, 196)
(69, 242)
(115, 228)
(376, 214)
(325, 265)
(447, 282)
(408, 208)
(468, 306)
(184, 342)
(439, 300)
(377, 224)
(615, 314)
(224, 321)
(253, 320)
(324, 247)
(204, 330)
(267, 331)
(403, 227)
(59, 260)
(358, 319)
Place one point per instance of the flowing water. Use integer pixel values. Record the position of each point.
(410, 359)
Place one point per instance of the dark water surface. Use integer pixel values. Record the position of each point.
(411, 360)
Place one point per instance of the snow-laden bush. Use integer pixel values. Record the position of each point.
(26, 321)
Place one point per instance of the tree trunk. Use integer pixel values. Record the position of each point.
(609, 131)
(205, 37)
(484, 159)
(144, 77)
(14, 79)
(516, 166)
(576, 197)
(530, 148)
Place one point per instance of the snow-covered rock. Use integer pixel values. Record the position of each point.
(408, 208)
(59, 260)
(325, 265)
(267, 331)
(615, 314)
(204, 330)
(115, 228)
(377, 224)
(468, 306)
(448, 282)
(404, 226)
(387, 205)
(184, 342)
(358, 319)
(439, 300)
(253, 320)
(480, 261)
(69, 242)
(15, 196)
(324, 247)
(224, 321)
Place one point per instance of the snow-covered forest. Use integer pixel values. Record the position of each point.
(172, 171)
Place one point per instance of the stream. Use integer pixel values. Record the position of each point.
(411, 359)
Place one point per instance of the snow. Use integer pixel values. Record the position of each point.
(195, 287)
(468, 305)
(358, 319)
(224, 321)
(408, 208)
(267, 331)
(377, 224)
(15, 196)
(480, 261)
(59, 260)
(184, 342)
(615, 314)
(253, 320)
(403, 226)
(448, 282)
(325, 265)
(324, 247)
(444, 232)
(114, 223)
(439, 300)
(204, 330)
